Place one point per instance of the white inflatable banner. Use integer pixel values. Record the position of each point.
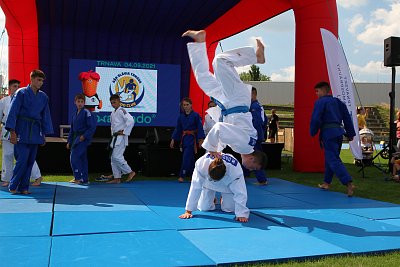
(341, 84)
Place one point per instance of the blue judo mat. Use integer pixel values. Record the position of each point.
(137, 224)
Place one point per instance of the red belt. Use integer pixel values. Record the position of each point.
(188, 132)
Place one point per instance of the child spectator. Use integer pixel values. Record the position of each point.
(8, 147)
(28, 122)
(121, 126)
(273, 126)
(189, 131)
(83, 127)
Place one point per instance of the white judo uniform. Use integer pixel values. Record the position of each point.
(226, 87)
(8, 148)
(232, 187)
(208, 123)
(120, 120)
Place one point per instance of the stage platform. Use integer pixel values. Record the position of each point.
(137, 224)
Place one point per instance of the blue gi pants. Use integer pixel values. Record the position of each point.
(260, 174)
(25, 156)
(79, 161)
(188, 161)
(333, 163)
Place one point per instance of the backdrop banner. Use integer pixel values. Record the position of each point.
(341, 83)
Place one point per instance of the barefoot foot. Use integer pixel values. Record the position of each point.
(26, 192)
(324, 186)
(350, 189)
(180, 180)
(260, 52)
(5, 184)
(197, 36)
(130, 176)
(13, 192)
(37, 181)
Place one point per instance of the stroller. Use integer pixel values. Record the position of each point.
(368, 149)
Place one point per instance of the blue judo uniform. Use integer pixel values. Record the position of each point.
(189, 130)
(29, 116)
(327, 117)
(260, 122)
(83, 123)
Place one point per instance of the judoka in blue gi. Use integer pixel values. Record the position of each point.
(327, 117)
(260, 122)
(189, 130)
(28, 121)
(83, 126)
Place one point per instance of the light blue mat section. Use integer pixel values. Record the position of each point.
(377, 213)
(151, 248)
(89, 222)
(251, 244)
(350, 232)
(25, 224)
(24, 251)
(25, 205)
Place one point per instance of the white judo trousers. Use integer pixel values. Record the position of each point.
(8, 148)
(232, 187)
(226, 87)
(120, 120)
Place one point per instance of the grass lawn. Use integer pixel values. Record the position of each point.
(374, 186)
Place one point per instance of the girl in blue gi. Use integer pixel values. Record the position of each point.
(327, 117)
(28, 121)
(189, 130)
(83, 127)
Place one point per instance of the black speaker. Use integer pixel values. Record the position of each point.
(392, 51)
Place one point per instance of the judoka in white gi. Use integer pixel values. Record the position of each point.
(121, 126)
(208, 121)
(213, 175)
(28, 121)
(8, 148)
(232, 96)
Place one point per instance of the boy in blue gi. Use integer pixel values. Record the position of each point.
(83, 127)
(189, 130)
(260, 122)
(28, 121)
(327, 117)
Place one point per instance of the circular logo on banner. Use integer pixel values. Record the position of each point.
(129, 87)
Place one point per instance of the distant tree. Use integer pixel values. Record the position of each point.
(254, 74)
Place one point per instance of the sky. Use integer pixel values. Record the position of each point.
(363, 25)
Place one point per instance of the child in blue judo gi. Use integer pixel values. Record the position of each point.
(327, 117)
(28, 121)
(83, 127)
(189, 130)
(260, 123)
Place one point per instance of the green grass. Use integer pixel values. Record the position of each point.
(373, 186)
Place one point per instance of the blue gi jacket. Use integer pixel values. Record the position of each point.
(327, 117)
(258, 115)
(29, 116)
(190, 122)
(84, 124)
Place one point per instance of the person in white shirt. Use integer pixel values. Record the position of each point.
(8, 148)
(208, 121)
(121, 126)
(233, 97)
(222, 175)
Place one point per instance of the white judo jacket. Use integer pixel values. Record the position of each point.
(232, 183)
(121, 120)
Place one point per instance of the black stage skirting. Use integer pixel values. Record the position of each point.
(153, 160)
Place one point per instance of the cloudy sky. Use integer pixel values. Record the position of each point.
(363, 25)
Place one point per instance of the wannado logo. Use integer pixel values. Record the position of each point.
(129, 87)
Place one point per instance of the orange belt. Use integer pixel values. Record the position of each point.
(193, 132)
